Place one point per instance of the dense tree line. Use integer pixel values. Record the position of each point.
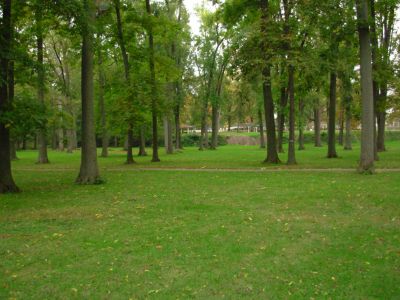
(89, 73)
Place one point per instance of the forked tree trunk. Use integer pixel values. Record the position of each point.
(89, 171)
(291, 150)
(7, 184)
(261, 122)
(42, 140)
(367, 100)
(332, 117)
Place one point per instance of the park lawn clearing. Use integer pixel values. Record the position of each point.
(171, 234)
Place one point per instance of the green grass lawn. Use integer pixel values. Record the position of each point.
(230, 156)
(205, 235)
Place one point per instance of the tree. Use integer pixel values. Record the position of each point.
(153, 84)
(89, 171)
(7, 184)
(367, 121)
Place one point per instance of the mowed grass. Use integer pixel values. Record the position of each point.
(226, 157)
(205, 235)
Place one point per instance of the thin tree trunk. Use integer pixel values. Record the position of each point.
(261, 122)
(341, 128)
(317, 125)
(154, 105)
(42, 158)
(291, 150)
(332, 117)
(142, 142)
(7, 184)
(214, 126)
(347, 103)
(348, 137)
(178, 142)
(381, 114)
(281, 118)
(203, 139)
(103, 120)
(129, 153)
(367, 100)
(375, 86)
(13, 149)
(301, 125)
(89, 171)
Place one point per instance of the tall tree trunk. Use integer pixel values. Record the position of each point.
(142, 142)
(272, 154)
(7, 184)
(261, 122)
(42, 158)
(291, 150)
(103, 120)
(375, 85)
(347, 103)
(367, 100)
(13, 149)
(167, 136)
(89, 171)
(281, 118)
(129, 153)
(154, 105)
(332, 117)
(317, 125)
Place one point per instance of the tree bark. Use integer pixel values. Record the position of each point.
(7, 184)
(214, 126)
(367, 97)
(341, 127)
(332, 117)
(291, 150)
(154, 105)
(42, 140)
(89, 171)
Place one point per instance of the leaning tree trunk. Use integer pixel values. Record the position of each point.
(154, 105)
(89, 171)
(7, 183)
(291, 150)
(261, 122)
(367, 97)
(42, 158)
(332, 117)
